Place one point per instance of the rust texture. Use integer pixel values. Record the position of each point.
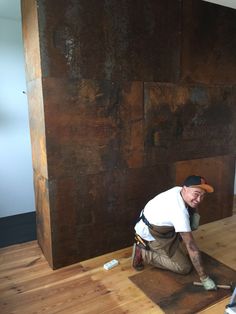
(94, 213)
(124, 97)
(184, 122)
(175, 293)
(209, 47)
(100, 127)
(110, 39)
(43, 215)
(219, 172)
(37, 126)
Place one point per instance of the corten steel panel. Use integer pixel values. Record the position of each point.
(209, 43)
(218, 171)
(34, 86)
(112, 40)
(188, 121)
(92, 126)
(95, 214)
(64, 223)
(31, 39)
(37, 127)
(43, 217)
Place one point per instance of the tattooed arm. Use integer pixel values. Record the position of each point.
(194, 253)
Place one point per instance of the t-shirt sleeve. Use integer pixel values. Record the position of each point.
(181, 221)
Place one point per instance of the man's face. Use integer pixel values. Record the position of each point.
(192, 196)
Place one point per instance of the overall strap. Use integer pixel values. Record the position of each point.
(144, 219)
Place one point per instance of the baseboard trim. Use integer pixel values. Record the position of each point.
(17, 229)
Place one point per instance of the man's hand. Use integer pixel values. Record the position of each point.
(208, 284)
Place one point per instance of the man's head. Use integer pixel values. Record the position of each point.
(194, 189)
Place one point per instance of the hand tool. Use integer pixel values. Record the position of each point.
(196, 283)
(141, 242)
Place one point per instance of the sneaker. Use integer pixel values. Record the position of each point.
(137, 260)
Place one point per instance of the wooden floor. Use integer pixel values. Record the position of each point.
(29, 286)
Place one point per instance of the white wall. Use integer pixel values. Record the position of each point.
(16, 174)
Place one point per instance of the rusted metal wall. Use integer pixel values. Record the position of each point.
(220, 171)
(188, 121)
(37, 126)
(126, 90)
(208, 44)
(110, 40)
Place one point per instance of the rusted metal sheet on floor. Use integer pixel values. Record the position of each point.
(176, 293)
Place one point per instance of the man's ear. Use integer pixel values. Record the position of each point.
(184, 188)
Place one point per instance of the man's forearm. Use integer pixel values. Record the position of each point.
(194, 254)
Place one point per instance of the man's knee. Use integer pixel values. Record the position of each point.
(184, 269)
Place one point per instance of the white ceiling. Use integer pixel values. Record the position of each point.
(10, 9)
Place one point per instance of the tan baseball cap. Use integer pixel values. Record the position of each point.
(198, 182)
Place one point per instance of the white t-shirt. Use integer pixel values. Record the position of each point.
(165, 209)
